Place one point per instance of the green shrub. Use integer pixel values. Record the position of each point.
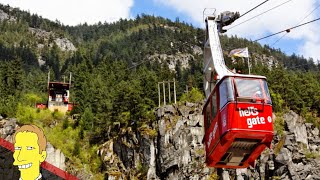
(213, 176)
(40, 117)
(87, 119)
(310, 118)
(76, 149)
(146, 130)
(195, 95)
(277, 101)
(277, 148)
(45, 116)
(279, 124)
(308, 154)
(31, 99)
(57, 115)
(8, 106)
(65, 124)
(312, 155)
(142, 169)
(25, 114)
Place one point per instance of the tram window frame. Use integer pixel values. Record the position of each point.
(214, 105)
(266, 91)
(226, 92)
(262, 85)
(208, 115)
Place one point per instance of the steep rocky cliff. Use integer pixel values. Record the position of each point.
(176, 150)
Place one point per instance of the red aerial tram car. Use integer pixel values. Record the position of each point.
(238, 111)
(238, 121)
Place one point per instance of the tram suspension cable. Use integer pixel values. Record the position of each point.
(259, 14)
(254, 8)
(297, 24)
(287, 30)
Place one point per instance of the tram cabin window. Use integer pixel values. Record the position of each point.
(252, 88)
(208, 117)
(213, 105)
(266, 89)
(226, 92)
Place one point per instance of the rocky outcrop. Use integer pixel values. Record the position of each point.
(180, 150)
(299, 156)
(173, 60)
(49, 37)
(295, 153)
(64, 44)
(131, 154)
(5, 16)
(197, 50)
(40, 33)
(175, 152)
(268, 61)
(7, 128)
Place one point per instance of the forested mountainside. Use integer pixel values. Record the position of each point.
(116, 68)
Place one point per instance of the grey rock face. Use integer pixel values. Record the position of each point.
(5, 16)
(197, 50)
(65, 45)
(41, 33)
(284, 157)
(173, 60)
(176, 153)
(296, 125)
(183, 137)
(269, 61)
(298, 157)
(7, 128)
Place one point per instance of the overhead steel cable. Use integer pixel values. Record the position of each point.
(253, 8)
(259, 14)
(287, 30)
(279, 39)
(297, 24)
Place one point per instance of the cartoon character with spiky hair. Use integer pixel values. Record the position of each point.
(29, 151)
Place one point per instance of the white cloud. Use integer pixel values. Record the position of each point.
(311, 49)
(287, 15)
(73, 12)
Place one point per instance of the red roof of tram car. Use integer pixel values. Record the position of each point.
(237, 132)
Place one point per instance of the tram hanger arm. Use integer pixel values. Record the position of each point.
(225, 19)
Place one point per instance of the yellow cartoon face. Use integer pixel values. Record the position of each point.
(26, 154)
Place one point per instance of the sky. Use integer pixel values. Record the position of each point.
(303, 41)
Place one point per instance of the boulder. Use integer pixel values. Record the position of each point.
(284, 156)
